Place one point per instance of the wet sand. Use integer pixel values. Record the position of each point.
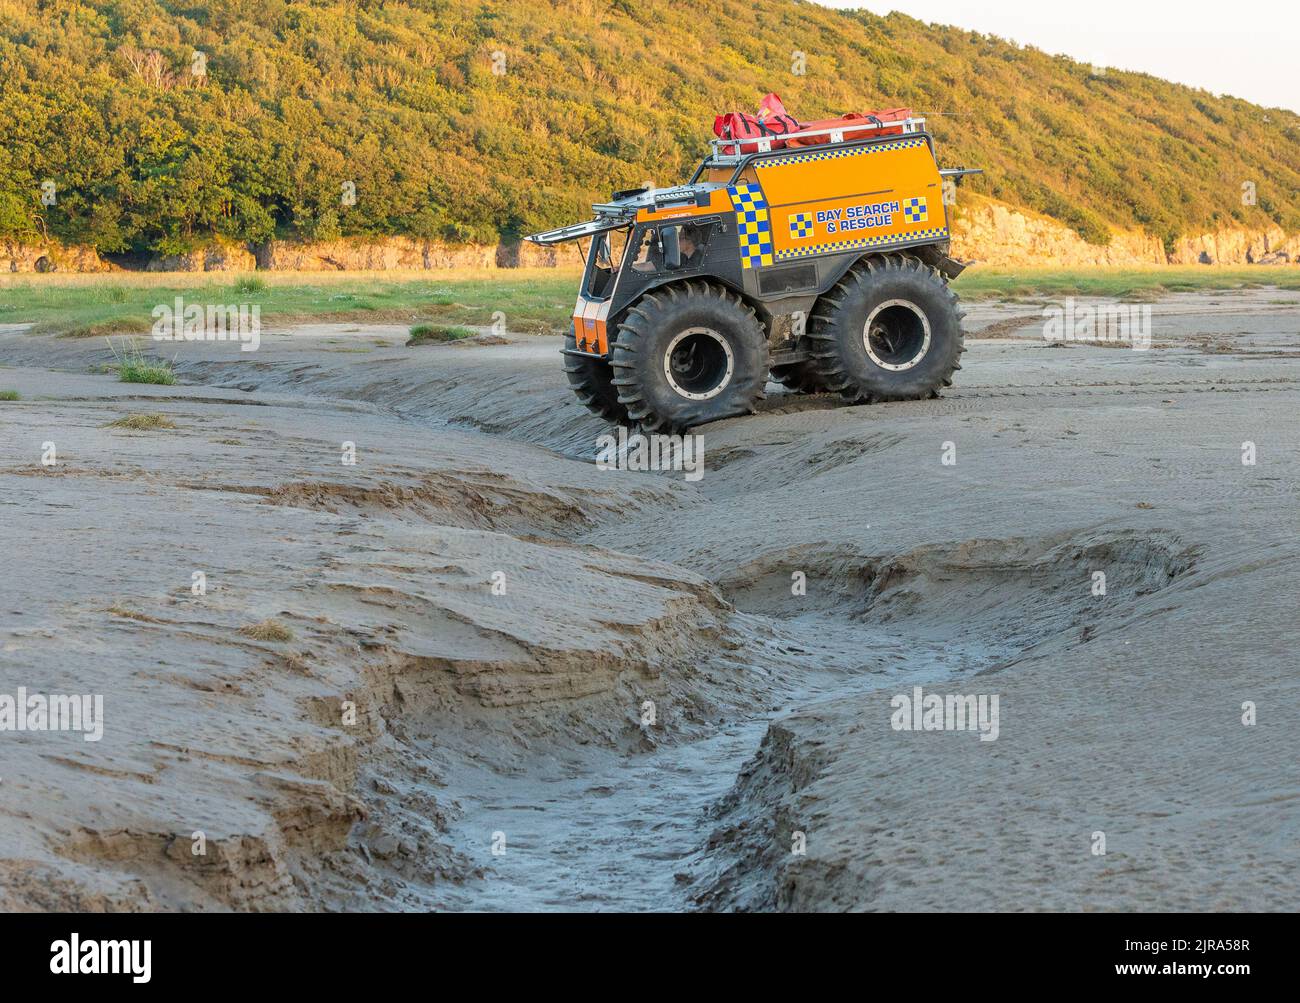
(412, 720)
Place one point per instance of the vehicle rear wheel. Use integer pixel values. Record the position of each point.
(889, 330)
(689, 354)
(592, 380)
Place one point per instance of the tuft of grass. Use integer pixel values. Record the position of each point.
(143, 422)
(158, 374)
(1149, 294)
(424, 334)
(246, 285)
(117, 609)
(297, 662)
(268, 630)
(10, 395)
(133, 367)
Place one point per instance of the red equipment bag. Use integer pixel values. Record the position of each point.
(772, 122)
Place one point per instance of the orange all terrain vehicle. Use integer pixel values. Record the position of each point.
(818, 256)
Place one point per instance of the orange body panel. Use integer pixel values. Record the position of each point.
(828, 200)
(831, 199)
(589, 328)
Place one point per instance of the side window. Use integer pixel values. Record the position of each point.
(647, 257)
(673, 248)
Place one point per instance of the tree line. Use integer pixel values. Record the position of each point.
(153, 126)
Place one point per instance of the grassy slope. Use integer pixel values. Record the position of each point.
(400, 97)
(532, 300)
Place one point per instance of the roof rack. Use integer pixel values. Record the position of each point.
(763, 144)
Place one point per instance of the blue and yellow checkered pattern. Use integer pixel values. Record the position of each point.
(801, 224)
(849, 245)
(753, 224)
(835, 152)
(916, 210)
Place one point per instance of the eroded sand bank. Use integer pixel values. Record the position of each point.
(515, 720)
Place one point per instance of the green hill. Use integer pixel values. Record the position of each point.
(402, 99)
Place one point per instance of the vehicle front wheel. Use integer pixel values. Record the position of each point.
(689, 354)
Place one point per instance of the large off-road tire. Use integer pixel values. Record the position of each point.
(593, 382)
(689, 354)
(889, 330)
(799, 377)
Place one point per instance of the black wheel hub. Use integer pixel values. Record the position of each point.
(897, 335)
(699, 363)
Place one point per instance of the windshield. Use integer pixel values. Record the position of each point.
(603, 261)
(609, 248)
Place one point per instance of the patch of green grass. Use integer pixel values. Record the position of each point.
(158, 375)
(133, 367)
(426, 334)
(1131, 284)
(532, 301)
(10, 395)
(143, 422)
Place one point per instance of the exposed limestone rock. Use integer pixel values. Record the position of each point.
(49, 257)
(1269, 246)
(984, 230)
(995, 233)
(387, 254)
(214, 258)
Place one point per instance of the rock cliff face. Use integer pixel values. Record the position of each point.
(996, 233)
(1254, 247)
(984, 230)
(398, 253)
(19, 257)
(387, 254)
(214, 258)
(391, 253)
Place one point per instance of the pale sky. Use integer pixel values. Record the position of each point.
(1247, 49)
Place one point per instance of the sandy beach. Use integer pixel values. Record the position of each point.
(472, 670)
